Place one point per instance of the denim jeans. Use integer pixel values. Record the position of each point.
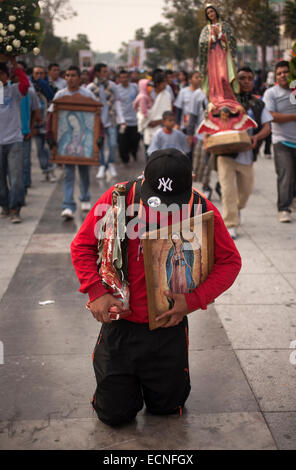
(285, 165)
(111, 135)
(43, 153)
(27, 144)
(12, 190)
(69, 184)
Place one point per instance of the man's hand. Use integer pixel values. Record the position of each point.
(254, 140)
(177, 313)
(100, 307)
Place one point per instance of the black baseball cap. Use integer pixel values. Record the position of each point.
(167, 179)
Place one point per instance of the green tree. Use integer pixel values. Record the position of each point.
(289, 14)
(123, 52)
(184, 27)
(51, 47)
(140, 34)
(55, 10)
(160, 45)
(75, 45)
(264, 31)
(55, 49)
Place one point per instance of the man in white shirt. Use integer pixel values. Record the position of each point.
(128, 138)
(111, 115)
(12, 190)
(69, 205)
(279, 101)
(56, 82)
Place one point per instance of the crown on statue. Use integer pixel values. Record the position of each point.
(214, 4)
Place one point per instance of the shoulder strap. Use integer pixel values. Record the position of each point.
(135, 186)
(198, 199)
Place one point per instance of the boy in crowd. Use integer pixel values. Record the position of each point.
(168, 137)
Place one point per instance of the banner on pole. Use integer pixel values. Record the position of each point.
(136, 54)
(86, 59)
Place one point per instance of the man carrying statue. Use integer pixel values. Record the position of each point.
(232, 110)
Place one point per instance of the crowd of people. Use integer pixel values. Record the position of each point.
(162, 108)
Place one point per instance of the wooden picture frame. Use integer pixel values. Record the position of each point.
(76, 129)
(195, 236)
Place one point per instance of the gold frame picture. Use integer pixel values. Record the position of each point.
(177, 258)
(76, 129)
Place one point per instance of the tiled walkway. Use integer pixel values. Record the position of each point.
(243, 384)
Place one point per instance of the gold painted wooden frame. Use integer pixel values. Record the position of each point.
(76, 103)
(156, 248)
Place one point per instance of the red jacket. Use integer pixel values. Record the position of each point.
(24, 83)
(227, 264)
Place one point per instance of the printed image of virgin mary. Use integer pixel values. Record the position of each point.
(179, 265)
(77, 140)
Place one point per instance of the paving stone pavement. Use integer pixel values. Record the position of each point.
(243, 382)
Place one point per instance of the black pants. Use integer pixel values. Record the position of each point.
(134, 365)
(128, 143)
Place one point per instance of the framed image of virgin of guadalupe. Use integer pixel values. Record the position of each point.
(177, 258)
(76, 130)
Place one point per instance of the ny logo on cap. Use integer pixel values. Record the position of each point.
(166, 185)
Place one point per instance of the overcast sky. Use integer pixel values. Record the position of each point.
(109, 22)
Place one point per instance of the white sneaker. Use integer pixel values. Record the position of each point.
(101, 172)
(112, 170)
(232, 233)
(67, 214)
(284, 217)
(52, 177)
(85, 206)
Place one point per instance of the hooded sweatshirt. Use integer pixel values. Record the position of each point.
(144, 101)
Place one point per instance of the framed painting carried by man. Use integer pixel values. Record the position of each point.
(76, 130)
(177, 258)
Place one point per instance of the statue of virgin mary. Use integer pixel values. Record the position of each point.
(217, 51)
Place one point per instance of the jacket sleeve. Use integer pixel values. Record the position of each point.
(24, 83)
(84, 250)
(46, 89)
(227, 265)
